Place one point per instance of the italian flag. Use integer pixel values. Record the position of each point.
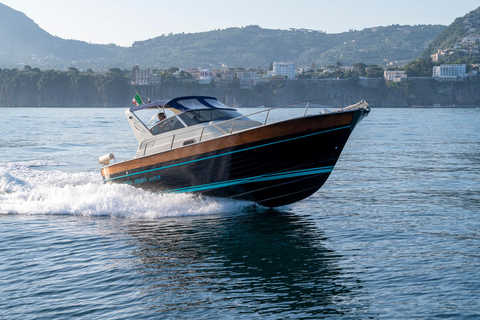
(137, 100)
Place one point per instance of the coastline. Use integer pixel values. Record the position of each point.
(378, 92)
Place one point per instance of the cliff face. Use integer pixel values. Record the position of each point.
(346, 92)
(112, 93)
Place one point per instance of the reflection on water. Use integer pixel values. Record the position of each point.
(268, 263)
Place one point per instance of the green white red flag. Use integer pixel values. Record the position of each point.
(137, 100)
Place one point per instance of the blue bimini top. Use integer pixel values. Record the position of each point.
(184, 104)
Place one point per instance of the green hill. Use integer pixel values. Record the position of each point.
(25, 43)
(252, 46)
(450, 40)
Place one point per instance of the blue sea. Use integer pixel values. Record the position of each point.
(393, 234)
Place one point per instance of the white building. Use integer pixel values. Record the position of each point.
(247, 75)
(144, 77)
(286, 69)
(269, 75)
(141, 77)
(227, 76)
(395, 76)
(450, 72)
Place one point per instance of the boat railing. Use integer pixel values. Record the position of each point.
(261, 119)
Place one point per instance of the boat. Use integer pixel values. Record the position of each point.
(208, 148)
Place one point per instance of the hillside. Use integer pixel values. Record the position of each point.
(453, 44)
(253, 46)
(25, 43)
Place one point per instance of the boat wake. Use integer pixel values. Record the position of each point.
(38, 187)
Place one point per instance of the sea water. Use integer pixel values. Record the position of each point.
(393, 234)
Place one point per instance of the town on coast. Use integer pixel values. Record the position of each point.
(449, 85)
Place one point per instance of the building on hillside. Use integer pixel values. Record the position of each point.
(226, 76)
(450, 72)
(248, 78)
(247, 75)
(471, 39)
(437, 56)
(194, 72)
(268, 75)
(206, 76)
(395, 76)
(286, 69)
(144, 77)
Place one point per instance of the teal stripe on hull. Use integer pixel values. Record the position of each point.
(226, 153)
(262, 178)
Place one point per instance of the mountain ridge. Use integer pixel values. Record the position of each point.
(24, 42)
(27, 44)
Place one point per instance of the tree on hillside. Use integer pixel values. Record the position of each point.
(337, 74)
(360, 68)
(374, 71)
(185, 75)
(420, 68)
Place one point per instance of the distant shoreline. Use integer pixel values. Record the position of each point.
(260, 107)
(411, 94)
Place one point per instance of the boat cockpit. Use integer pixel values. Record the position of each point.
(192, 119)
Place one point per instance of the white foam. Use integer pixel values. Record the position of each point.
(36, 188)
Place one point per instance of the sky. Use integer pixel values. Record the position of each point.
(124, 21)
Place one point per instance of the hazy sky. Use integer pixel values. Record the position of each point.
(124, 21)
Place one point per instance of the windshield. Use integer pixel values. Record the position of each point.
(194, 117)
(166, 125)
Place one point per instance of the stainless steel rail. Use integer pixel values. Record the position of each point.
(265, 121)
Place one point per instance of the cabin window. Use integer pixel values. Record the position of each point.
(194, 117)
(166, 125)
(196, 104)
